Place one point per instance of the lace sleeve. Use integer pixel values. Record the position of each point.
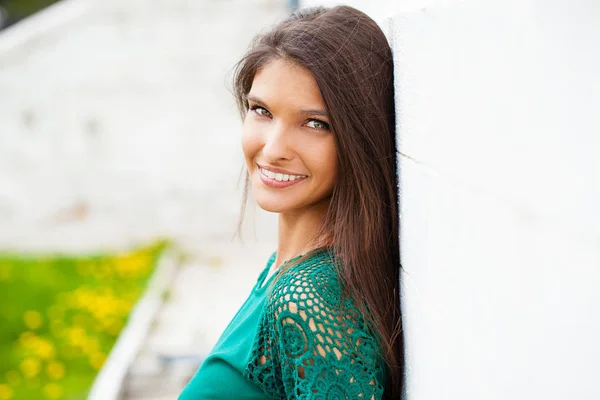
(313, 345)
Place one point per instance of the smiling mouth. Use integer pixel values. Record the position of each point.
(279, 180)
(280, 177)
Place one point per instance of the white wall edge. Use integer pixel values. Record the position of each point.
(109, 382)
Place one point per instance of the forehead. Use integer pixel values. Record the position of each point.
(283, 81)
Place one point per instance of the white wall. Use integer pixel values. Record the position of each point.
(498, 119)
(381, 10)
(116, 124)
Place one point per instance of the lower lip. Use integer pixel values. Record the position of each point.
(277, 184)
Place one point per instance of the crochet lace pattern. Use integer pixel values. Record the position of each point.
(312, 342)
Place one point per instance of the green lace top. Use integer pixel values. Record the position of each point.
(299, 339)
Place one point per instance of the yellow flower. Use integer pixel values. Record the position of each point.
(97, 360)
(6, 393)
(33, 319)
(76, 336)
(53, 390)
(90, 346)
(123, 307)
(30, 367)
(132, 265)
(55, 370)
(45, 349)
(115, 327)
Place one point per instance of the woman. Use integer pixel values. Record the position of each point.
(323, 321)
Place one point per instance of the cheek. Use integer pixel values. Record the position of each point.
(251, 143)
(326, 162)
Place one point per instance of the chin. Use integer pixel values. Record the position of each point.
(272, 205)
(272, 201)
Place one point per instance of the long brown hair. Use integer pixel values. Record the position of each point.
(351, 60)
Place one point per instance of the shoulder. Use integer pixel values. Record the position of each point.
(308, 300)
(311, 287)
(314, 274)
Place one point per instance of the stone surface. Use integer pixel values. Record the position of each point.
(117, 124)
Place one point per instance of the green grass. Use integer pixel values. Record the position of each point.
(60, 316)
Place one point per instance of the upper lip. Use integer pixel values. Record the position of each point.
(278, 170)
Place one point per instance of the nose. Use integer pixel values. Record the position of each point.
(277, 146)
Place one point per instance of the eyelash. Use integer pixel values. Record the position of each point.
(325, 124)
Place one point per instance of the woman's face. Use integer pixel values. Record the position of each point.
(289, 149)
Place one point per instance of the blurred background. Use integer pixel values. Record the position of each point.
(120, 193)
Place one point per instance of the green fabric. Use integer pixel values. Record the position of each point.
(295, 337)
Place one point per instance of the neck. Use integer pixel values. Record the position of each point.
(298, 232)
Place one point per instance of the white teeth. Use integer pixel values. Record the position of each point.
(280, 177)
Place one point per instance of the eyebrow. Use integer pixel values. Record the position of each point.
(318, 112)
